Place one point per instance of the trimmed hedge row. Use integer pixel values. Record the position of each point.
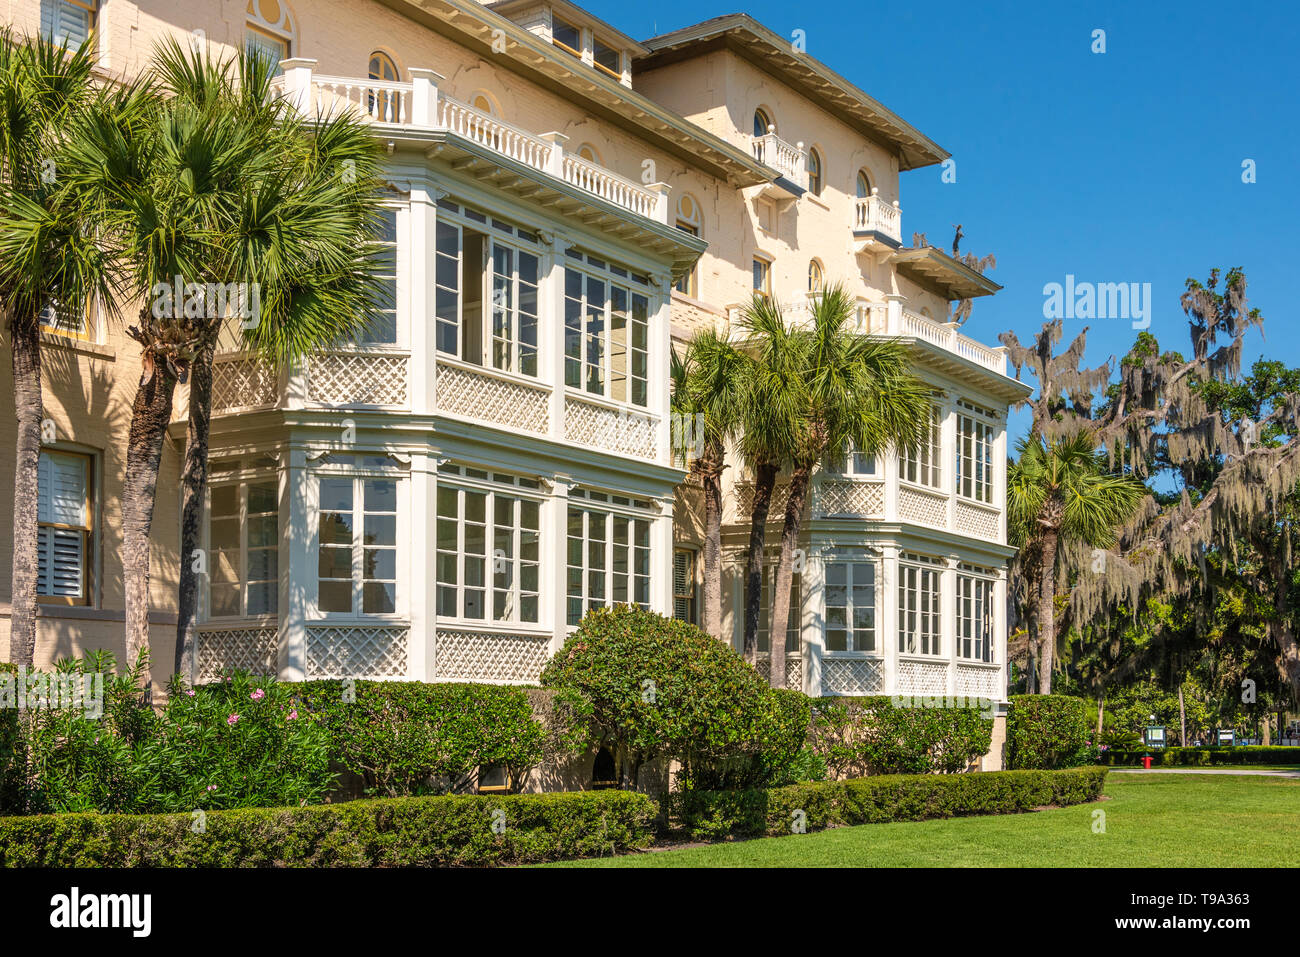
(454, 830)
(1046, 731)
(713, 815)
(1255, 754)
(873, 735)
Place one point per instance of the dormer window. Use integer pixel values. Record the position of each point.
(607, 58)
(566, 36)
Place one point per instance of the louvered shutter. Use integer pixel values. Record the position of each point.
(61, 552)
(61, 20)
(683, 585)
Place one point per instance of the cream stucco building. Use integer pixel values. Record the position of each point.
(565, 203)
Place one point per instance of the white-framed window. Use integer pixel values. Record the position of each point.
(243, 547)
(690, 221)
(606, 329)
(382, 324)
(68, 21)
(489, 549)
(918, 605)
(270, 30)
(356, 537)
(976, 433)
(566, 36)
(60, 319)
(974, 613)
(851, 606)
(685, 604)
(762, 277)
(921, 464)
(486, 273)
(816, 180)
(793, 626)
(608, 553)
(852, 463)
(64, 527)
(607, 58)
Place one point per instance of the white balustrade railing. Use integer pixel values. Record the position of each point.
(787, 159)
(945, 336)
(873, 214)
(419, 103)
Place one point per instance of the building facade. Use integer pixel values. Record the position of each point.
(564, 206)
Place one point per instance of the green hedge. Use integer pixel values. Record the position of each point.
(712, 815)
(1255, 754)
(872, 735)
(454, 830)
(1046, 731)
(410, 737)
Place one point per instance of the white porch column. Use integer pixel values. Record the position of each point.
(422, 289)
(298, 499)
(948, 453)
(555, 532)
(887, 606)
(660, 350)
(420, 587)
(424, 96)
(1000, 632)
(550, 307)
(948, 619)
(1000, 476)
(813, 632)
(661, 558)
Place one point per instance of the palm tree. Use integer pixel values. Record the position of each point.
(49, 260)
(772, 398)
(1059, 493)
(705, 384)
(860, 392)
(219, 183)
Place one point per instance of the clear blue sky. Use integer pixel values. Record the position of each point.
(1115, 167)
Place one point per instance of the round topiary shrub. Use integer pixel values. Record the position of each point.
(1045, 731)
(652, 687)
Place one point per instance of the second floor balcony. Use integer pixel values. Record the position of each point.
(420, 104)
(788, 159)
(873, 216)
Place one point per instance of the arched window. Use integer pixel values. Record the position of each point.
(270, 30)
(384, 104)
(485, 102)
(815, 278)
(815, 172)
(864, 184)
(689, 220)
(588, 152)
(762, 123)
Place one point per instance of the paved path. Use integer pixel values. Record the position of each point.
(1264, 772)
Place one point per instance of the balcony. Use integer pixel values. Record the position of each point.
(788, 160)
(874, 218)
(419, 105)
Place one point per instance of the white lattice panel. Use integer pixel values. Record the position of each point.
(852, 676)
(617, 430)
(486, 656)
(745, 500)
(512, 404)
(977, 522)
(351, 379)
(922, 677)
(247, 649)
(793, 670)
(357, 651)
(848, 498)
(242, 383)
(923, 508)
(976, 682)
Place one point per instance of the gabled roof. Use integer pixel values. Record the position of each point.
(746, 37)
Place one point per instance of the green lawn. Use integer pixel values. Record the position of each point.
(1152, 820)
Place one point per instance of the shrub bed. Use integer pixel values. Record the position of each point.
(872, 735)
(1255, 754)
(453, 830)
(714, 815)
(1047, 731)
(409, 738)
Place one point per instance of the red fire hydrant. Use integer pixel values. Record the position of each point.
(1146, 761)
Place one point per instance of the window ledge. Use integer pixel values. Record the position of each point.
(81, 346)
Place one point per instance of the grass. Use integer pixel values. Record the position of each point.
(1151, 820)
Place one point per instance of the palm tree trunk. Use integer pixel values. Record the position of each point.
(785, 571)
(194, 481)
(25, 336)
(150, 414)
(712, 590)
(1101, 714)
(1047, 611)
(764, 481)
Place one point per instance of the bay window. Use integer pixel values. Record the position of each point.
(606, 330)
(243, 548)
(608, 559)
(488, 554)
(357, 545)
(793, 627)
(975, 437)
(382, 316)
(974, 614)
(918, 605)
(850, 606)
(920, 464)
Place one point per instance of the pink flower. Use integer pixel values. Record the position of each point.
(293, 715)
(190, 692)
(232, 719)
(258, 695)
(211, 787)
